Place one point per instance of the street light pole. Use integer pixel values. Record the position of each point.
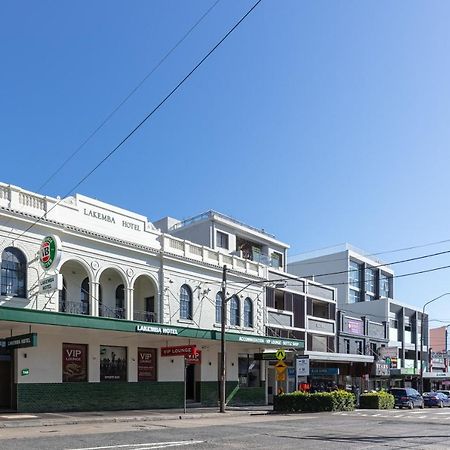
(422, 336)
(223, 359)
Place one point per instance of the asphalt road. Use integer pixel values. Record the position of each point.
(402, 429)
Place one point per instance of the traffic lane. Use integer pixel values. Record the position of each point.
(281, 432)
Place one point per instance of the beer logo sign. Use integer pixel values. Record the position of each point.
(50, 252)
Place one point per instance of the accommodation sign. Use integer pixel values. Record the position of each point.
(270, 341)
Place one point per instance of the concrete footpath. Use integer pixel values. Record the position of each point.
(17, 420)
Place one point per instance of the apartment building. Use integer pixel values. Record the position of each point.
(365, 290)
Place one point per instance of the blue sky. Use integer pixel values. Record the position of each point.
(322, 122)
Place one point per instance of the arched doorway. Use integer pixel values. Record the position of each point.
(145, 299)
(75, 295)
(112, 301)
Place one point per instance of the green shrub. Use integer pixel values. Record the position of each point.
(319, 401)
(376, 400)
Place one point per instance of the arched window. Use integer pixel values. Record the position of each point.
(219, 307)
(14, 273)
(85, 296)
(185, 302)
(120, 301)
(248, 313)
(235, 311)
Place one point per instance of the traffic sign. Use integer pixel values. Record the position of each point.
(280, 365)
(280, 354)
(281, 376)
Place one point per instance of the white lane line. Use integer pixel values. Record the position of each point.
(18, 416)
(143, 446)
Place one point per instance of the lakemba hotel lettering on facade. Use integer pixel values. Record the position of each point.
(91, 293)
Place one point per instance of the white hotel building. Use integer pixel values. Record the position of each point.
(128, 291)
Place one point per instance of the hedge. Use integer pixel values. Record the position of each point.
(319, 401)
(376, 400)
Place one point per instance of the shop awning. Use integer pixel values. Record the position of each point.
(338, 357)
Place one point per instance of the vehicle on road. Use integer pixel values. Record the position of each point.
(444, 391)
(436, 399)
(407, 398)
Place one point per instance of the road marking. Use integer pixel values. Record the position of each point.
(143, 446)
(18, 416)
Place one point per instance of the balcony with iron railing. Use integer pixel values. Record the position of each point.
(111, 312)
(74, 307)
(144, 316)
(80, 307)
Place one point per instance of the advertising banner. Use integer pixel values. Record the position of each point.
(388, 352)
(355, 326)
(146, 364)
(113, 363)
(74, 362)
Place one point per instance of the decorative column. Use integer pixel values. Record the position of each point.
(94, 298)
(129, 303)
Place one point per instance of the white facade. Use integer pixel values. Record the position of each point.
(121, 272)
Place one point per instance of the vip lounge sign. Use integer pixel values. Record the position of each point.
(50, 252)
(179, 350)
(194, 358)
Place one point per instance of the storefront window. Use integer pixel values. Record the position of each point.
(249, 371)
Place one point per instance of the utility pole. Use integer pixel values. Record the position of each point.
(223, 357)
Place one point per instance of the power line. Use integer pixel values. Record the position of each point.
(150, 114)
(366, 255)
(401, 261)
(126, 98)
(130, 94)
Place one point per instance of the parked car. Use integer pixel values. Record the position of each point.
(444, 391)
(436, 399)
(407, 398)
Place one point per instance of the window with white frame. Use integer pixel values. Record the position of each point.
(219, 307)
(222, 240)
(235, 311)
(13, 273)
(185, 302)
(248, 313)
(353, 295)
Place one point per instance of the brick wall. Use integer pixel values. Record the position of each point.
(41, 397)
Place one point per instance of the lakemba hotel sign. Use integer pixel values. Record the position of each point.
(111, 218)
